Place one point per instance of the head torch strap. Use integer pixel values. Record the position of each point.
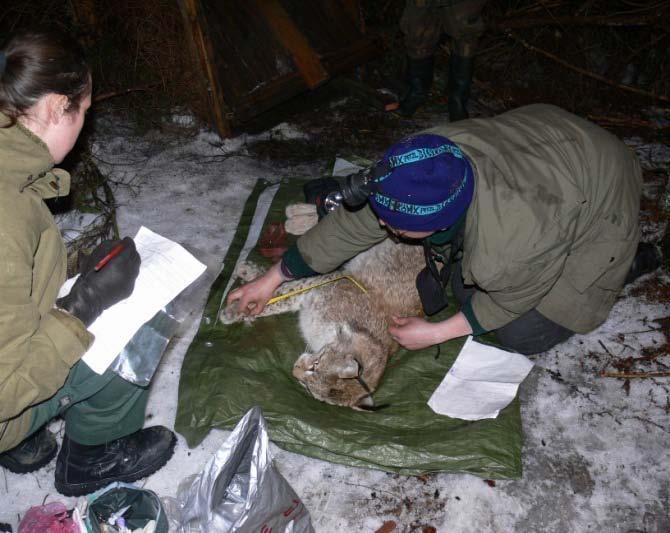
(430, 261)
(380, 171)
(442, 275)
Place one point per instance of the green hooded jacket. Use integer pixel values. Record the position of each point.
(38, 343)
(553, 223)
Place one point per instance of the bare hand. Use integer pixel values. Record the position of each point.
(414, 333)
(250, 299)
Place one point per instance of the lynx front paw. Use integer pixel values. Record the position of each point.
(231, 314)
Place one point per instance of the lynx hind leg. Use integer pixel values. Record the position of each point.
(290, 303)
(286, 305)
(231, 313)
(295, 301)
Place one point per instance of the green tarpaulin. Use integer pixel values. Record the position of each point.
(230, 368)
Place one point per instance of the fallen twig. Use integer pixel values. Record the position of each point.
(105, 96)
(632, 375)
(633, 122)
(532, 8)
(607, 363)
(641, 331)
(585, 72)
(516, 23)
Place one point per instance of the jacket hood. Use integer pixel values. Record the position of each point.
(27, 163)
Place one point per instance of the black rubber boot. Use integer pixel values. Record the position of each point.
(81, 469)
(647, 259)
(32, 454)
(419, 79)
(458, 87)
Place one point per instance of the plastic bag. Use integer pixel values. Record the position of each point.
(50, 518)
(139, 359)
(240, 490)
(123, 505)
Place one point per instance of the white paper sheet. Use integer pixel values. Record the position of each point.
(165, 271)
(482, 381)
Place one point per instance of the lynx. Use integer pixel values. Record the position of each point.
(346, 329)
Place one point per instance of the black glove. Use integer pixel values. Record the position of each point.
(95, 291)
(88, 262)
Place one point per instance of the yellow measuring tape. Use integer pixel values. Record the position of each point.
(276, 299)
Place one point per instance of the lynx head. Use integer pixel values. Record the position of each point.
(335, 374)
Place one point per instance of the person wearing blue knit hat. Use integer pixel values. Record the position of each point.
(429, 186)
(533, 214)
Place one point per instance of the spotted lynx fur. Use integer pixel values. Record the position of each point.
(346, 330)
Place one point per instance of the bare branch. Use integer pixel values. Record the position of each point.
(585, 72)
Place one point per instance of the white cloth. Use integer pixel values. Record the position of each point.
(482, 381)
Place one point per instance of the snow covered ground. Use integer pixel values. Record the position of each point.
(596, 456)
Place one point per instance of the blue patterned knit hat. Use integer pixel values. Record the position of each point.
(430, 184)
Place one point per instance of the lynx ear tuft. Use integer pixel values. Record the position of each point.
(349, 369)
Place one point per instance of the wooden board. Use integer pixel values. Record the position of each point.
(258, 53)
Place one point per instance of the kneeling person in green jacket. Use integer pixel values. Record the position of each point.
(535, 212)
(45, 91)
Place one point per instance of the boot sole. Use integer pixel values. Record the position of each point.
(81, 489)
(18, 468)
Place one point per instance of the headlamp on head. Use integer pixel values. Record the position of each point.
(354, 189)
(421, 183)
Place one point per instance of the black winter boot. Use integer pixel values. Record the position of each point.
(419, 78)
(647, 259)
(81, 469)
(32, 454)
(458, 87)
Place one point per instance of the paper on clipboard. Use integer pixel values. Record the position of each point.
(166, 270)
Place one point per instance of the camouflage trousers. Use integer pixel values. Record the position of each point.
(424, 21)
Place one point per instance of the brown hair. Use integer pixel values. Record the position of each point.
(37, 63)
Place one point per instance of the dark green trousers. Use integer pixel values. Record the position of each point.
(423, 23)
(96, 408)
